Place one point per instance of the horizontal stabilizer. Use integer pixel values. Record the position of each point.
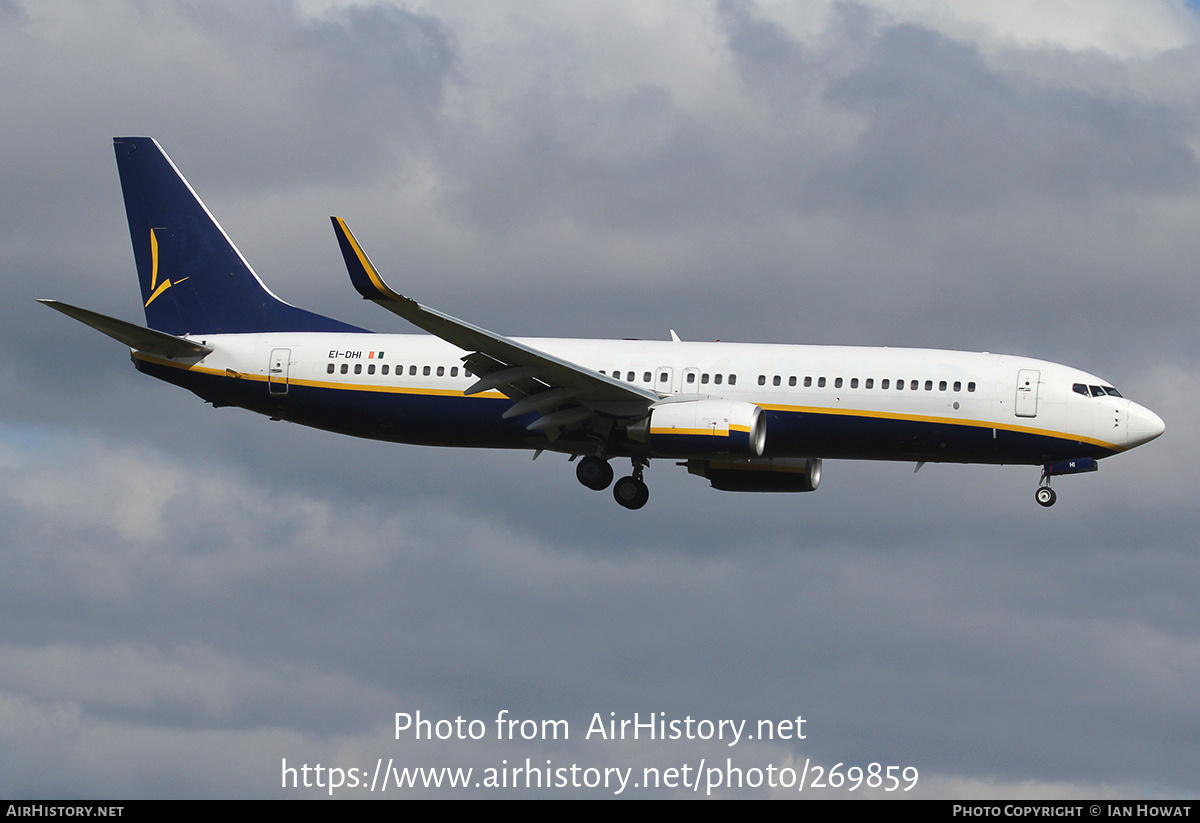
(131, 334)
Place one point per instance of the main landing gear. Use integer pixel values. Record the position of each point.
(594, 472)
(631, 492)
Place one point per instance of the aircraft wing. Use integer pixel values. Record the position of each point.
(131, 334)
(566, 393)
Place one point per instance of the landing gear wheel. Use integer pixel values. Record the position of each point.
(594, 473)
(631, 492)
(1045, 496)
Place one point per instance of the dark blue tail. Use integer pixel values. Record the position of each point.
(193, 279)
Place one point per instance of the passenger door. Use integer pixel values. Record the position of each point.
(1027, 392)
(277, 371)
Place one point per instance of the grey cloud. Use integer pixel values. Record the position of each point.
(946, 132)
(629, 162)
(251, 87)
(348, 86)
(941, 129)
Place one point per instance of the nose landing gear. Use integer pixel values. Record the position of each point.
(1045, 495)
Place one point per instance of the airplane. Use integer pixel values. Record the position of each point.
(746, 417)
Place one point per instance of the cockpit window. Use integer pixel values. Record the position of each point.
(1095, 391)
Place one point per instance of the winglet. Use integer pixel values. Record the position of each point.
(362, 273)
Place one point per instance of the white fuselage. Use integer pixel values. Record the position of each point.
(850, 389)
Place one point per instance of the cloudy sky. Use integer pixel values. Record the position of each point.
(189, 596)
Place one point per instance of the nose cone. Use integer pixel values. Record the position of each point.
(1144, 425)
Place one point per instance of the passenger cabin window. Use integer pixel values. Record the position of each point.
(329, 370)
(717, 379)
(358, 368)
(854, 382)
(870, 384)
(837, 383)
(646, 377)
(704, 378)
(820, 382)
(691, 378)
(733, 379)
(425, 371)
(958, 385)
(885, 383)
(776, 380)
(971, 386)
(762, 380)
(792, 380)
(662, 378)
(807, 382)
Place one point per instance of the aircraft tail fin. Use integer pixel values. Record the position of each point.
(193, 279)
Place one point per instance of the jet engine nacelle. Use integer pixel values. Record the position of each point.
(699, 428)
(782, 474)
